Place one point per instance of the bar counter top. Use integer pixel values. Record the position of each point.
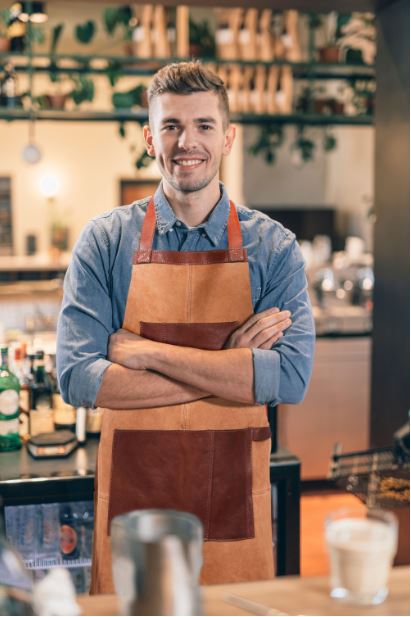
(289, 595)
(24, 479)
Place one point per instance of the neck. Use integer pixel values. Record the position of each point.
(193, 208)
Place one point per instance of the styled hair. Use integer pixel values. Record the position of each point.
(186, 78)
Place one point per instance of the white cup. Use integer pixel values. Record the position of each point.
(362, 544)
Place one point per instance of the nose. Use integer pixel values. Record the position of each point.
(187, 139)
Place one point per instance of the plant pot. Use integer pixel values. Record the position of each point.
(329, 54)
(328, 107)
(56, 101)
(195, 50)
(4, 45)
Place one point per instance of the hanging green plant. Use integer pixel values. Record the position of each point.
(122, 129)
(118, 16)
(126, 100)
(303, 146)
(55, 37)
(329, 142)
(85, 32)
(143, 160)
(269, 140)
(83, 89)
(113, 71)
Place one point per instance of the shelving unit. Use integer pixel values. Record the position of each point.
(141, 116)
(131, 66)
(141, 67)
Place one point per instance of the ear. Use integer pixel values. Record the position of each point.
(148, 138)
(229, 139)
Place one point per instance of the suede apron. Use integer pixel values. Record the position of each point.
(209, 457)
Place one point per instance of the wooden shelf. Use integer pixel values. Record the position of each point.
(130, 65)
(142, 116)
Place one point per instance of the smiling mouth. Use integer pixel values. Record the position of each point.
(188, 163)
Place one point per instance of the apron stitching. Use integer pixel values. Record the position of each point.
(189, 294)
(249, 509)
(210, 483)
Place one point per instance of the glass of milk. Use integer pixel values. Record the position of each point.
(361, 544)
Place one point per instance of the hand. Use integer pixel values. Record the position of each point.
(261, 330)
(130, 350)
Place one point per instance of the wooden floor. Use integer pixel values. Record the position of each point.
(314, 508)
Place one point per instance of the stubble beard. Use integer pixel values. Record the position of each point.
(189, 186)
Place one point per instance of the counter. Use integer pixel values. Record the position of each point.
(288, 595)
(24, 479)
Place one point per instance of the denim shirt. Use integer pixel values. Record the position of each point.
(98, 278)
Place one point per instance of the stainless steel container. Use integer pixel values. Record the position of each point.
(157, 558)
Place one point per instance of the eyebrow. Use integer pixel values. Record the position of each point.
(210, 120)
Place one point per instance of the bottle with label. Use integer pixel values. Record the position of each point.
(68, 534)
(24, 402)
(64, 414)
(81, 417)
(42, 387)
(9, 406)
(93, 422)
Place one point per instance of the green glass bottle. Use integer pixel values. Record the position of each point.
(9, 406)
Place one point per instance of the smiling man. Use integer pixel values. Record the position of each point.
(183, 316)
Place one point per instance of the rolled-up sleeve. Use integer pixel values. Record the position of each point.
(85, 321)
(282, 374)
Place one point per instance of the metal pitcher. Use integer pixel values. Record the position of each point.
(157, 558)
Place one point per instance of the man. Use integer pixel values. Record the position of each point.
(183, 316)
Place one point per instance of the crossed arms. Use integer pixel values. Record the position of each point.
(100, 364)
(145, 373)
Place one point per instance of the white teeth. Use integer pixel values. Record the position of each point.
(190, 162)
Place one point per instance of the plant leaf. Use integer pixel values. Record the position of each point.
(55, 37)
(85, 32)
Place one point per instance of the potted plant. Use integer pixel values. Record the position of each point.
(4, 22)
(56, 98)
(330, 29)
(202, 41)
(358, 38)
(120, 17)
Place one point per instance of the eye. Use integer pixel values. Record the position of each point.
(205, 127)
(169, 127)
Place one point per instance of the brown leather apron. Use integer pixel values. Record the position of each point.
(209, 457)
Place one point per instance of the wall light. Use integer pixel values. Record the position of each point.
(49, 186)
(33, 11)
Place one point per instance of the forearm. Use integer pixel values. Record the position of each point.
(124, 388)
(227, 373)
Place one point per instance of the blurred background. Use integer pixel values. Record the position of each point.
(321, 104)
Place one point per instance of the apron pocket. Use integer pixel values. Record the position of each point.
(201, 335)
(207, 473)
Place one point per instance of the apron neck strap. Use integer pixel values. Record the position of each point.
(235, 239)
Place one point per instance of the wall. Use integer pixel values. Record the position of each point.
(342, 179)
(390, 402)
(88, 159)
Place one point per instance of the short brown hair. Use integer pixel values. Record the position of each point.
(186, 78)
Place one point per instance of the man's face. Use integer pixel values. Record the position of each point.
(188, 138)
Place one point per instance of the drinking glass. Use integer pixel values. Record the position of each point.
(362, 544)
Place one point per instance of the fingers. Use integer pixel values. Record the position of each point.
(268, 344)
(268, 321)
(269, 332)
(256, 317)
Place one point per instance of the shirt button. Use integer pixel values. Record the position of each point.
(203, 235)
(178, 223)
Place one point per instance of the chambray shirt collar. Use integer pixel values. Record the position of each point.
(214, 226)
